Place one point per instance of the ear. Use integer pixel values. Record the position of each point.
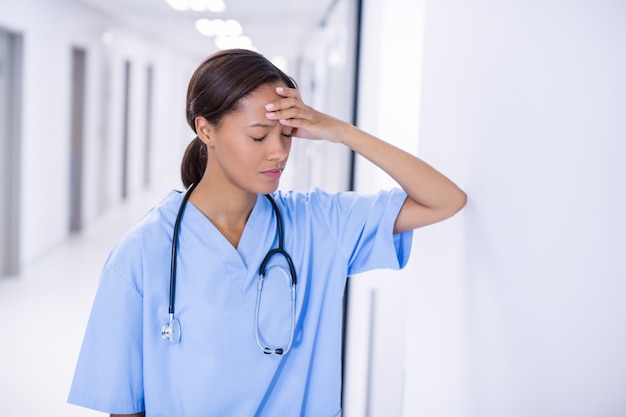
(204, 130)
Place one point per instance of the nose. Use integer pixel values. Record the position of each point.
(279, 147)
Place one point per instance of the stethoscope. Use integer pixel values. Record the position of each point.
(171, 331)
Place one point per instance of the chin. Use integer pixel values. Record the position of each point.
(264, 189)
(269, 190)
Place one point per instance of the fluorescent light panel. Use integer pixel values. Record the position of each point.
(228, 33)
(219, 27)
(197, 5)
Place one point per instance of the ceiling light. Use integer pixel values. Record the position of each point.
(232, 28)
(219, 27)
(180, 5)
(206, 27)
(197, 5)
(230, 42)
(215, 5)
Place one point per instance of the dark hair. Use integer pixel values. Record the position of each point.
(216, 89)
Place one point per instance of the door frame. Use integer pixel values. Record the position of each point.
(10, 139)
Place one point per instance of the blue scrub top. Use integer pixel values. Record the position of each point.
(217, 369)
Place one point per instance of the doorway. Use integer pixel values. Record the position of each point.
(148, 128)
(10, 135)
(126, 129)
(79, 57)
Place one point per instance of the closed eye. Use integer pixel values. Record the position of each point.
(283, 134)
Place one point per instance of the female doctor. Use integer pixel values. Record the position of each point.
(226, 300)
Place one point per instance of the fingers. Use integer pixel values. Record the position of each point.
(289, 107)
(288, 92)
(308, 122)
(291, 113)
(291, 98)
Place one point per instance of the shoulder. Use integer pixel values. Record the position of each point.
(146, 239)
(314, 198)
(158, 220)
(319, 199)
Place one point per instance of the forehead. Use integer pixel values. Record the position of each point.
(260, 97)
(250, 111)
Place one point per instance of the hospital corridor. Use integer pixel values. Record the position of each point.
(512, 307)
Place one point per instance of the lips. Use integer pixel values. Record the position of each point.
(273, 173)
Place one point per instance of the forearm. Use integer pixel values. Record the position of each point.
(434, 194)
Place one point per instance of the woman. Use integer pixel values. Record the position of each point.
(238, 351)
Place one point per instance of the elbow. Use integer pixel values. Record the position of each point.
(456, 203)
(461, 200)
(414, 214)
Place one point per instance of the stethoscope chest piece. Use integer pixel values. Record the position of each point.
(171, 331)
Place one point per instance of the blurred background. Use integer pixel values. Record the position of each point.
(514, 307)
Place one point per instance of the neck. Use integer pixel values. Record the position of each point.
(228, 210)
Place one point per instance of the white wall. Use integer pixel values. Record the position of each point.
(50, 29)
(523, 105)
(515, 306)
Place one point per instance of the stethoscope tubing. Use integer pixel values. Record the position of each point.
(265, 349)
(280, 249)
(175, 242)
(171, 331)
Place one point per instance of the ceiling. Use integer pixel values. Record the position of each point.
(276, 27)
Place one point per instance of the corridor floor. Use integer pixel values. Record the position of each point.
(44, 312)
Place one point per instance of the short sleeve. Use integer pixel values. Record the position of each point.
(362, 226)
(108, 375)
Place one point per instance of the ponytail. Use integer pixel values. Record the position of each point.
(194, 162)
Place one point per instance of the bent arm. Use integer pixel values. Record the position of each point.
(431, 196)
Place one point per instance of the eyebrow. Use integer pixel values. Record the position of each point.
(267, 126)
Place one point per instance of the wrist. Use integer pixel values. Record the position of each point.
(350, 136)
(345, 134)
